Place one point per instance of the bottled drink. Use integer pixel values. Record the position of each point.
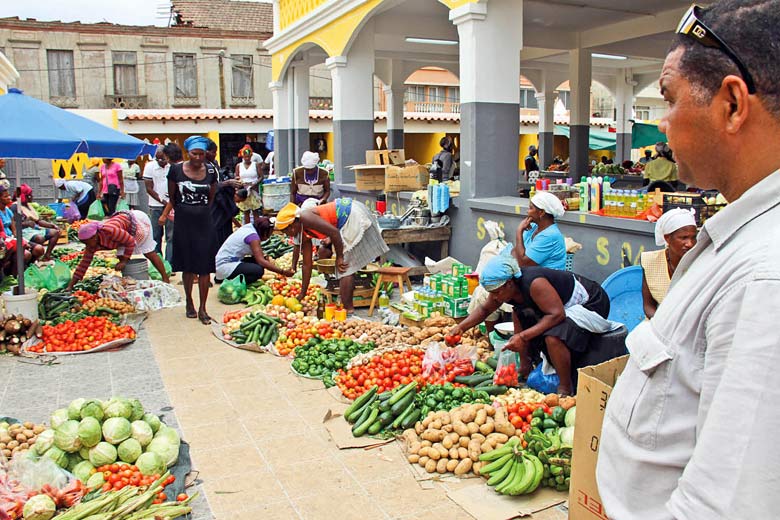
(384, 300)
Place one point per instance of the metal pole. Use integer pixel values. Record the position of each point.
(19, 248)
(222, 103)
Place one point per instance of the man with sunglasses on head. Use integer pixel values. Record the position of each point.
(689, 430)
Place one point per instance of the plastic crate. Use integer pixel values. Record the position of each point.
(569, 262)
(693, 201)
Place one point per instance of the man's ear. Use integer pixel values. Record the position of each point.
(733, 103)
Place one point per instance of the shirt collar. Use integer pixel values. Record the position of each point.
(759, 199)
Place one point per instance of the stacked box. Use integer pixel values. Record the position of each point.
(456, 307)
(459, 270)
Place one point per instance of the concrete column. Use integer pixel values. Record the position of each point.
(282, 122)
(546, 103)
(580, 76)
(353, 107)
(625, 113)
(299, 93)
(394, 95)
(489, 96)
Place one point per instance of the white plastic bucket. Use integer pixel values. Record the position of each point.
(275, 202)
(24, 304)
(137, 268)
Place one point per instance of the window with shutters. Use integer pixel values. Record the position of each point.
(185, 77)
(62, 79)
(242, 85)
(125, 75)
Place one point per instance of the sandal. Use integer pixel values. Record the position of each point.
(204, 318)
(192, 313)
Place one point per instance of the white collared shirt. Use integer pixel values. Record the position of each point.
(159, 178)
(689, 430)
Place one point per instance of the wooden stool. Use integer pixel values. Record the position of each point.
(390, 275)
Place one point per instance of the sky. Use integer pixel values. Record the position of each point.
(126, 12)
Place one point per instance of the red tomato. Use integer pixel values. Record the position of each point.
(181, 497)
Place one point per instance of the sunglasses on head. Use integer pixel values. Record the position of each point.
(692, 26)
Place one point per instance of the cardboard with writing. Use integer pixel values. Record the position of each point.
(593, 391)
(406, 178)
(385, 157)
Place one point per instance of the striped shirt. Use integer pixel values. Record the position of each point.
(113, 233)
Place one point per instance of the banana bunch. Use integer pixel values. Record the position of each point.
(511, 470)
(258, 294)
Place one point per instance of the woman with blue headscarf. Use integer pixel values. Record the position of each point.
(191, 189)
(554, 312)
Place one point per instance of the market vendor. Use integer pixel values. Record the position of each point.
(34, 228)
(242, 253)
(32, 251)
(353, 231)
(310, 181)
(125, 231)
(663, 167)
(539, 242)
(676, 230)
(567, 310)
(80, 192)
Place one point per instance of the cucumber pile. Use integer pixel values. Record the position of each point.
(276, 247)
(373, 413)
(258, 328)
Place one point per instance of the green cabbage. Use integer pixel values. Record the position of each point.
(58, 417)
(58, 456)
(138, 410)
(44, 441)
(66, 437)
(150, 464)
(90, 432)
(39, 507)
(129, 450)
(83, 470)
(166, 444)
(74, 409)
(95, 481)
(116, 429)
(118, 407)
(142, 432)
(102, 454)
(74, 459)
(567, 435)
(153, 421)
(84, 452)
(92, 408)
(571, 416)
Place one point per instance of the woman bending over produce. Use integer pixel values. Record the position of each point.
(246, 242)
(127, 232)
(352, 229)
(567, 310)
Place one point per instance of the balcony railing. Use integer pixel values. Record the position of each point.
(64, 101)
(320, 103)
(121, 101)
(433, 106)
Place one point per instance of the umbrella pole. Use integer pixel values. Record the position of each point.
(19, 248)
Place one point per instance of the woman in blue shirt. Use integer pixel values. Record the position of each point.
(31, 251)
(539, 241)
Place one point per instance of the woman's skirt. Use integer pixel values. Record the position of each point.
(253, 202)
(368, 245)
(144, 238)
(194, 240)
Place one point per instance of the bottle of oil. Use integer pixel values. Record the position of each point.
(384, 300)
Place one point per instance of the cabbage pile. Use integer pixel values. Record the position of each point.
(90, 433)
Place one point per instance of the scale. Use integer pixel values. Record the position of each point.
(417, 215)
(363, 291)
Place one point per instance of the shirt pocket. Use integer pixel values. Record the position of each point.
(643, 388)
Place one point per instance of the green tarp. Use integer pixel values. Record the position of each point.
(642, 134)
(598, 140)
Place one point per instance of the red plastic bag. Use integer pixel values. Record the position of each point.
(508, 369)
(442, 364)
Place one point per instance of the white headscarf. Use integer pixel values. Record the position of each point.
(548, 203)
(671, 221)
(310, 160)
(59, 182)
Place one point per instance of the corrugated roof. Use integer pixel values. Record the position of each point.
(226, 14)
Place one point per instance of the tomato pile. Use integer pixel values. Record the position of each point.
(286, 287)
(84, 296)
(447, 368)
(85, 334)
(521, 414)
(387, 371)
(118, 476)
(506, 375)
(300, 330)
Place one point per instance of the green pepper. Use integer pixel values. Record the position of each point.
(449, 387)
(536, 422)
(457, 393)
(538, 413)
(431, 403)
(549, 424)
(440, 395)
(559, 415)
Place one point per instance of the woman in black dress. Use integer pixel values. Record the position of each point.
(191, 189)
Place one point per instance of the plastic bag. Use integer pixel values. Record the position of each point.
(154, 274)
(442, 363)
(543, 378)
(72, 213)
(232, 291)
(51, 277)
(496, 245)
(95, 211)
(122, 206)
(507, 369)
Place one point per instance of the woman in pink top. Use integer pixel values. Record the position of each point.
(112, 185)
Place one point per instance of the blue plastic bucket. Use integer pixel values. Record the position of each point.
(58, 207)
(624, 289)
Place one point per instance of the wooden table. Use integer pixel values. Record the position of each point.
(412, 235)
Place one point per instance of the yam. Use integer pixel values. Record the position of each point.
(551, 400)
(476, 467)
(422, 452)
(433, 453)
(442, 451)
(567, 402)
(446, 419)
(452, 464)
(491, 411)
(473, 428)
(413, 458)
(427, 421)
(434, 435)
(468, 415)
(441, 466)
(502, 424)
(486, 447)
(423, 461)
(430, 466)
(410, 436)
(447, 428)
(455, 438)
(478, 436)
(426, 444)
(463, 467)
(415, 447)
(464, 441)
(419, 428)
(436, 424)
(498, 438)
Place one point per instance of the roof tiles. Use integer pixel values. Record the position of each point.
(226, 15)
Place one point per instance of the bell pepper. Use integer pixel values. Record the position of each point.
(559, 415)
(538, 413)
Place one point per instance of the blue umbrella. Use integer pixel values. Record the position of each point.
(32, 129)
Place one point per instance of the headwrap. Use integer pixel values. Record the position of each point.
(309, 203)
(498, 271)
(25, 192)
(245, 151)
(549, 203)
(671, 221)
(60, 183)
(287, 215)
(196, 142)
(88, 230)
(310, 160)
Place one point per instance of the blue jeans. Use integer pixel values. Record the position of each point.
(157, 232)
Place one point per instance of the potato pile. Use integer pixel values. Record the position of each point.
(521, 395)
(381, 335)
(451, 442)
(120, 307)
(475, 337)
(16, 438)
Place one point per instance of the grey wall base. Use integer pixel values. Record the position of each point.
(546, 149)
(301, 144)
(488, 140)
(579, 135)
(282, 145)
(351, 140)
(395, 139)
(623, 148)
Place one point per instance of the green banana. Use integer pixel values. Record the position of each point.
(497, 464)
(521, 485)
(498, 475)
(499, 453)
(515, 474)
(539, 470)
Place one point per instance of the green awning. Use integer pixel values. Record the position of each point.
(644, 134)
(598, 139)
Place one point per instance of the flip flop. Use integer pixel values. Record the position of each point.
(204, 319)
(192, 314)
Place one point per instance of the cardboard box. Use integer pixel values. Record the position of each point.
(593, 391)
(369, 177)
(406, 178)
(456, 307)
(385, 157)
